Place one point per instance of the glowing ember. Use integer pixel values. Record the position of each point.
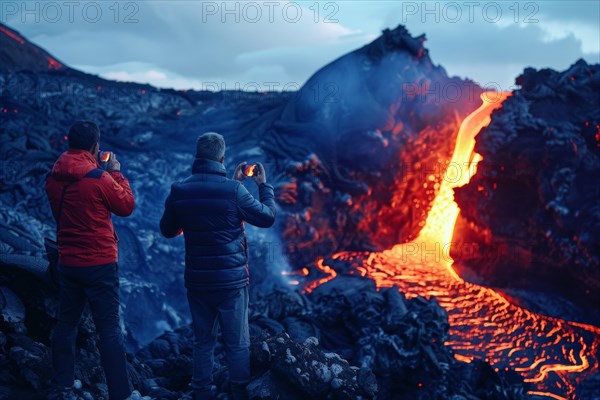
(53, 64)
(551, 354)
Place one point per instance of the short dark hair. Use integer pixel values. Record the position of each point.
(83, 135)
(210, 145)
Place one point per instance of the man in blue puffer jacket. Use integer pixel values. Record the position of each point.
(210, 210)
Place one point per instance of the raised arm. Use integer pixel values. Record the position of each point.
(117, 193)
(169, 224)
(258, 213)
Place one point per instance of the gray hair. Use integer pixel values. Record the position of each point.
(210, 145)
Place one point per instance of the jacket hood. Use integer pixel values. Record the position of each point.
(72, 165)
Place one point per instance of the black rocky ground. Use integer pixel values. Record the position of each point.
(345, 340)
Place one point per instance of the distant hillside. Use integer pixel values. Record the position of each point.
(18, 54)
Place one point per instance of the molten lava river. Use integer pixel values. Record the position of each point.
(551, 354)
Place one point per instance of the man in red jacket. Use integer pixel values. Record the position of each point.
(82, 197)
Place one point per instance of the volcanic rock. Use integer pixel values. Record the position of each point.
(533, 208)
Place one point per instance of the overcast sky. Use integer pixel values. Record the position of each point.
(268, 44)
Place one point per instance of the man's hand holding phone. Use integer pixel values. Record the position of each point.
(259, 174)
(255, 171)
(108, 161)
(239, 174)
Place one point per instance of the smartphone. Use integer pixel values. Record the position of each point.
(250, 170)
(104, 156)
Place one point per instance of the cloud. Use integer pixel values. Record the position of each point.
(250, 80)
(148, 74)
(190, 43)
(182, 36)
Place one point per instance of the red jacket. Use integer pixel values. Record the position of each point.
(86, 236)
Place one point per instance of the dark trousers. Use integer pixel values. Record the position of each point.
(228, 309)
(100, 286)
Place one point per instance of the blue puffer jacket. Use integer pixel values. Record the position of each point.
(210, 209)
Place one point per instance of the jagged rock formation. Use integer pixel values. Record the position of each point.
(533, 208)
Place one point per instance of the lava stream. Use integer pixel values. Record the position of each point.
(553, 355)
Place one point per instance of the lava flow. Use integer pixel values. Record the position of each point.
(551, 354)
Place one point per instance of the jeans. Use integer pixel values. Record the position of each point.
(228, 308)
(100, 286)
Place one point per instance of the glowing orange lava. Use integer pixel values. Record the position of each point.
(552, 355)
(53, 64)
(12, 35)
